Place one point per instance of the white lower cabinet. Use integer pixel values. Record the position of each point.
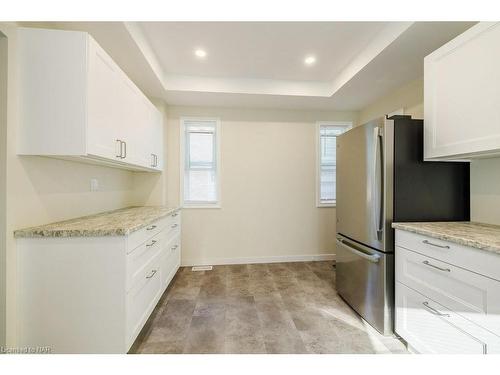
(94, 294)
(142, 298)
(170, 260)
(430, 328)
(441, 305)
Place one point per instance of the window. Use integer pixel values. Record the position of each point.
(327, 133)
(200, 162)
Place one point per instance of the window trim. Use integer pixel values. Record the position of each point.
(345, 124)
(182, 158)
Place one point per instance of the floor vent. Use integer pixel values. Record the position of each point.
(202, 268)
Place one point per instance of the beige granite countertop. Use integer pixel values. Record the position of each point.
(467, 233)
(111, 223)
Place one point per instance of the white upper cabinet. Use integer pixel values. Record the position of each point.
(76, 103)
(462, 96)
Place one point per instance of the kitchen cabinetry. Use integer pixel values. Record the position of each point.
(447, 296)
(76, 103)
(461, 96)
(94, 294)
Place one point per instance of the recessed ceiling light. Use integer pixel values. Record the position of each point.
(200, 53)
(309, 60)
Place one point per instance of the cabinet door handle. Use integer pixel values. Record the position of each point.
(153, 163)
(436, 245)
(432, 310)
(153, 272)
(151, 227)
(121, 148)
(175, 214)
(125, 150)
(174, 226)
(174, 247)
(156, 160)
(427, 263)
(152, 243)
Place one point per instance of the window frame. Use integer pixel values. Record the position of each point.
(182, 158)
(344, 124)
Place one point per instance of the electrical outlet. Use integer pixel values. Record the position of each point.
(94, 184)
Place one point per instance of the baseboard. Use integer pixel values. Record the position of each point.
(253, 260)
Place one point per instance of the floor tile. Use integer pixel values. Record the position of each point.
(259, 308)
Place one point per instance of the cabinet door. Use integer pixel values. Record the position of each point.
(103, 116)
(462, 99)
(135, 124)
(157, 137)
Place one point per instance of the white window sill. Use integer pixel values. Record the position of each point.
(187, 206)
(326, 205)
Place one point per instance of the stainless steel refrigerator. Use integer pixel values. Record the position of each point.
(381, 178)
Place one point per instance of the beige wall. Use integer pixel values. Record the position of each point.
(267, 188)
(410, 97)
(485, 191)
(3, 144)
(42, 190)
(485, 176)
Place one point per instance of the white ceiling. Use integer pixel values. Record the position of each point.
(260, 64)
(266, 50)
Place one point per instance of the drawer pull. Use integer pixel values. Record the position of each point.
(174, 226)
(433, 310)
(153, 272)
(151, 227)
(152, 243)
(436, 245)
(174, 247)
(175, 214)
(427, 263)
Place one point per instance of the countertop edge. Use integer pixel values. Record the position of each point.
(36, 233)
(447, 237)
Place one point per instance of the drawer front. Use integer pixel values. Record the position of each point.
(142, 299)
(430, 328)
(173, 228)
(142, 235)
(480, 261)
(469, 294)
(170, 261)
(141, 257)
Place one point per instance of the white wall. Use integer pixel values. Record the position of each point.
(267, 188)
(43, 190)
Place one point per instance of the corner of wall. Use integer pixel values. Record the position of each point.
(410, 97)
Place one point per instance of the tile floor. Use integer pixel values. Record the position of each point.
(258, 308)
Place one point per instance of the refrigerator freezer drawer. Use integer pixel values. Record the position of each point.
(365, 281)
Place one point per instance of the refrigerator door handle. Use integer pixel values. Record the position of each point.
(377, 187)
(372, 258)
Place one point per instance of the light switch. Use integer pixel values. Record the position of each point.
(94, 184)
